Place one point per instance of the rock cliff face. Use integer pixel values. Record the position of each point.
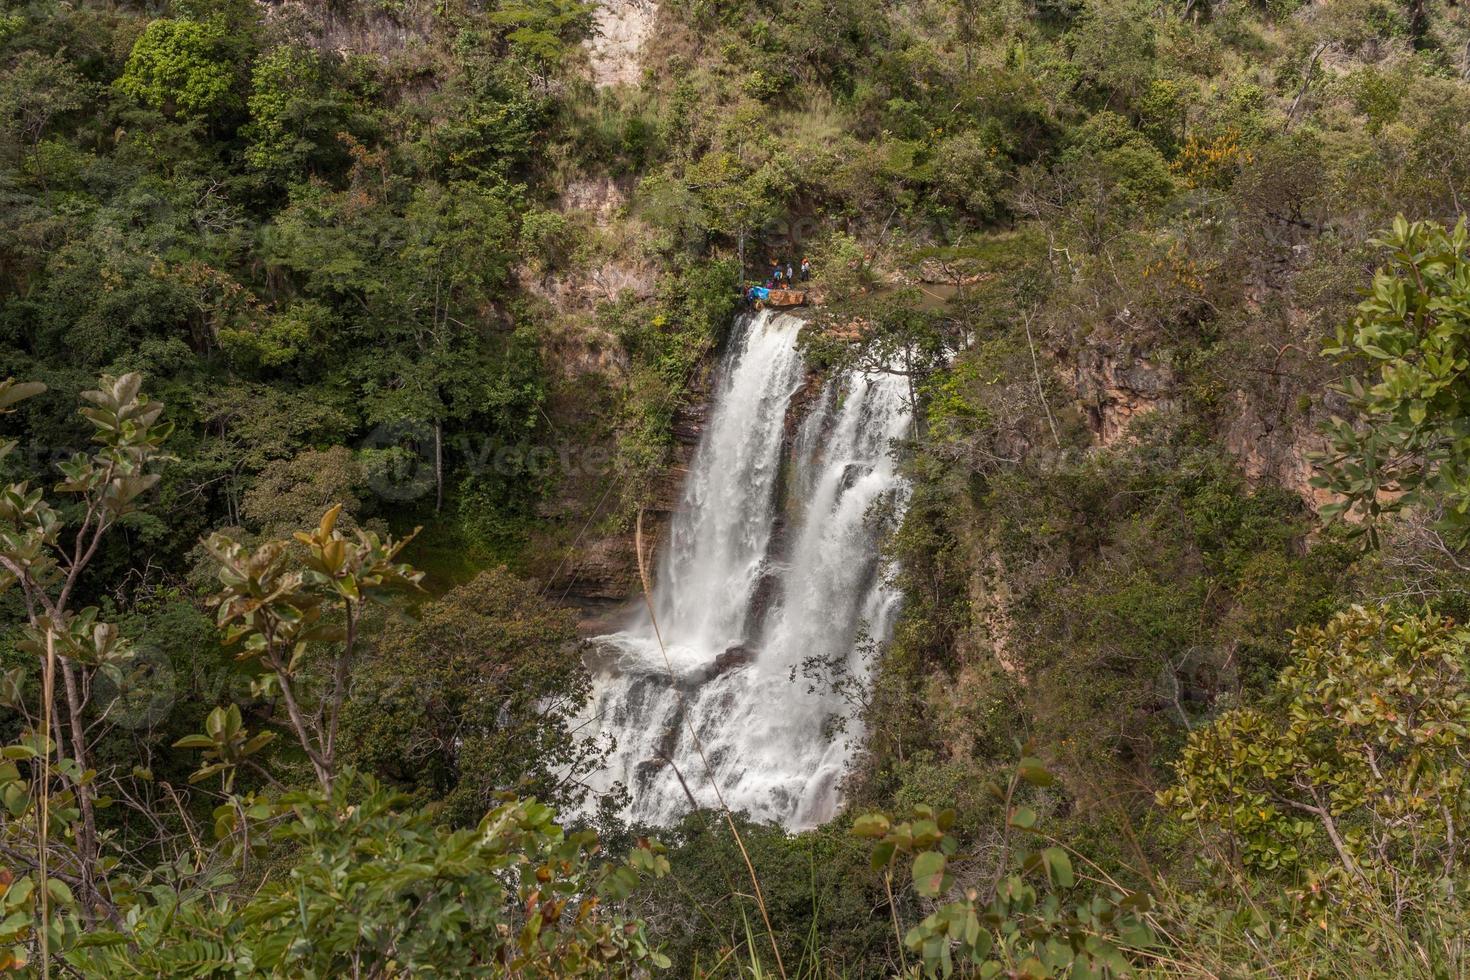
(599, 573)
(1270, 427)
(351, 30)
(615, 50)
(1116, 383)
(1275, 446)
(600, 576)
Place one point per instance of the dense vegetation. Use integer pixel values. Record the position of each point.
(1179, 687)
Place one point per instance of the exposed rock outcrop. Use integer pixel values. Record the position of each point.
(615, 49)
(600, 196)
(352, 30)
(1276, 448)
(600, 573)
(1115, 383)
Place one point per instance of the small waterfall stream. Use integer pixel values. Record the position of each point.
(770, 562)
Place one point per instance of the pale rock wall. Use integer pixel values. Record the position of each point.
(615, 49)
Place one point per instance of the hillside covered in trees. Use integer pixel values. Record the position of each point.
(357, 352)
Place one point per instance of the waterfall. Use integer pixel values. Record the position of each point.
(769, 570)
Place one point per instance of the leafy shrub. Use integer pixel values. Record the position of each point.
(1407, 446)
(475, 697)
(378, 888)
(1352, 769)
(1033, 922)
(182, 66)
(296, 112)
(969, 175)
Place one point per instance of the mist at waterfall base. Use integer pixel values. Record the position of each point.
(770, 563)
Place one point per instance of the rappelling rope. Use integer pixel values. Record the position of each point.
(709, 772)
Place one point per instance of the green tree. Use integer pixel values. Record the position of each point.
(1033, 918)
(1352, 770)
(34, 91)
(378, 889)
(432, 360)
(296, 113)
(182, 66)
(1107, 175)
(969, 175)
(44, 560)
(1407, 442)
(288, 493)
(417, 277)
(736, 197)
(300, 618)
(543, 31)
(475, 697)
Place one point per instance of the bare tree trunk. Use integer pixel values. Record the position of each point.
(1324, 814)
(1306, 83)
(87, 837)
(303, 730)
(438, 466)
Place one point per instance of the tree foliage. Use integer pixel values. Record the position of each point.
(478, 695)
(378, 888)
(1353, 769)
(180, 66)
(1032, 920)
(1408, 442)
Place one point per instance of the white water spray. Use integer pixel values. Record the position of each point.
(771, 562)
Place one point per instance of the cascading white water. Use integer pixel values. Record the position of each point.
(742, 604)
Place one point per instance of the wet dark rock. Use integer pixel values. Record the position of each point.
(737, 656)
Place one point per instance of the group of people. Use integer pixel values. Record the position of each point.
(783, 276)
(780, 277)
